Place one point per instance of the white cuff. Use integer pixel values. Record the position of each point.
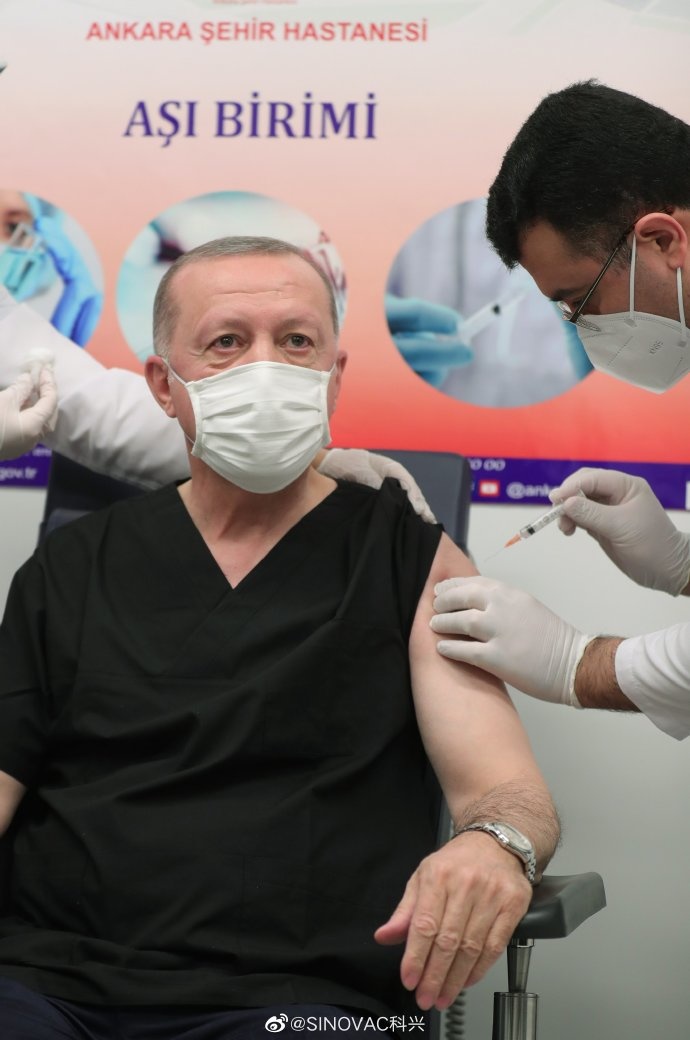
(653, 671)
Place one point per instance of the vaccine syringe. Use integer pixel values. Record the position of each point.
(539, 524)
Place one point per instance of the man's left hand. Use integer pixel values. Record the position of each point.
(459, 911)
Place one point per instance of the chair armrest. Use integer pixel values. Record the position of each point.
(560, 904)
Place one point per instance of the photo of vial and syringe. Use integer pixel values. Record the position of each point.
(470, 327)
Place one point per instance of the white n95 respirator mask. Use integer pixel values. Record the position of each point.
(260, 425)
(646, 350)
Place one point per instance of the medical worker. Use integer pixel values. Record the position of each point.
(593, 199)
(40, 263)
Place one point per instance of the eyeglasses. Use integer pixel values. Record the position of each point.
(574, 316)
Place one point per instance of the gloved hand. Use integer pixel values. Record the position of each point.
(630, 524)
(511, 634)
(80, 305)
(22, 427)
(363, 467)
(416, 326)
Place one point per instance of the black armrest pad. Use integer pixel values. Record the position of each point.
(560, 904)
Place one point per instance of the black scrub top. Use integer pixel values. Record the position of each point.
(226, 785)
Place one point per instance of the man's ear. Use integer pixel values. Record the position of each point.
(666, 235)
(158, 378)
(334, 388)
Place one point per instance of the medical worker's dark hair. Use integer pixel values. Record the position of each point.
(590, 161)
(165, 307)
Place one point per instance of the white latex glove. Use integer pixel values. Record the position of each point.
(363, 467)
(630, 524)
(22, 427)
(511, 634)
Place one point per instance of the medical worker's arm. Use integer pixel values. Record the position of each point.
(513, 636)
(107, 418)
(463, 902)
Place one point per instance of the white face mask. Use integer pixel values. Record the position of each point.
(646, 350)
(260, 425)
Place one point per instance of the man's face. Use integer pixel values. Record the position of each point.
(565, 274)
(237, 310)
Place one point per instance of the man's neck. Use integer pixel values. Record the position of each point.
(225, 513)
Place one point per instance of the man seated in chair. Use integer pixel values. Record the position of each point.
(216, 705)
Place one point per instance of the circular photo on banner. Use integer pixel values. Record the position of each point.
(470, 327)
(48, 262)
(197, 220)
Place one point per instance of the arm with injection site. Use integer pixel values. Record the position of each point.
(548, 658)
(460, 907)
(517, 638)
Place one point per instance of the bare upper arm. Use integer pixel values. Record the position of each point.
(471, 731)
(11, 794)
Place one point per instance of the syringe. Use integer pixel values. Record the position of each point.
(537, 525)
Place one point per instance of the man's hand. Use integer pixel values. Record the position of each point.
(630, 524)
(22, 427)
(459, 911)
(511, 634)
(363, 467)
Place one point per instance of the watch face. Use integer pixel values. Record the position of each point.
(515, 838)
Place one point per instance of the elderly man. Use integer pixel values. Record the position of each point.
(216, 703)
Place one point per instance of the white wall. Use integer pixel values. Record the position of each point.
(621, 787)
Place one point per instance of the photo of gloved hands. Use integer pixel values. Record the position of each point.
(470, 327)
(426, 334)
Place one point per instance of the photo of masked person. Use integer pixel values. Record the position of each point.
(471, 328)
(47, 261)
(188, 224)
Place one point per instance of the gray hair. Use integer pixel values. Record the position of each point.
(164, 307)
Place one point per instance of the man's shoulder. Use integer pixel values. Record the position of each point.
(389, 491)
(79, 530)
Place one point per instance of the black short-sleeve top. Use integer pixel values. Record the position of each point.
(226, 784)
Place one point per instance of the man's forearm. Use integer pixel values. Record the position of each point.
(596, 685)
(526, 806)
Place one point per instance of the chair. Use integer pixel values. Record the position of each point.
(560, 903)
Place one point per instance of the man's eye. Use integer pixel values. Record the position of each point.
(298, 340)
(228, 340)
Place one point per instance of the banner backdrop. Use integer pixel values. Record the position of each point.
(369, 133)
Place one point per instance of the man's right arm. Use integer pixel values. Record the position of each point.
(11, 794)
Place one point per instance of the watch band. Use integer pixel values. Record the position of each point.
(511, 839)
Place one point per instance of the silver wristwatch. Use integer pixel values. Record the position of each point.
(512, 840)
